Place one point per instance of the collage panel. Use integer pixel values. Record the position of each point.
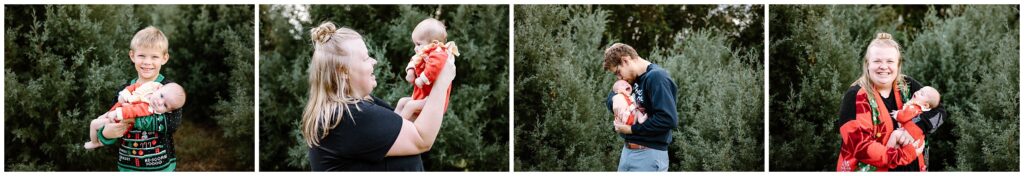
(336, 83)
(639, 88)
(894, 87)
(129, 88)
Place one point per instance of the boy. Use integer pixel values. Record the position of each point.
(149, 145)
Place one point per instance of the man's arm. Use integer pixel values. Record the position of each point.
(662, 115)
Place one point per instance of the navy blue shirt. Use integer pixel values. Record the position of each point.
(655, 92)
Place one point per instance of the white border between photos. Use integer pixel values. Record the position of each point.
(511, 88)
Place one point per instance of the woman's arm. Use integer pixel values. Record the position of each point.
(418, 137)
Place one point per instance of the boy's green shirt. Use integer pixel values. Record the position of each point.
(149, 145)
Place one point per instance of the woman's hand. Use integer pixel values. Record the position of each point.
(412, 110)
(401, 104)
(448, 73)
(899, 137)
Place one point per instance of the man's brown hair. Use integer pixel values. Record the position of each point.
(613, 55)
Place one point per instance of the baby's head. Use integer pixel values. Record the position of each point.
(428, 31)
(929, 96)
(621, 86)
(168, 98)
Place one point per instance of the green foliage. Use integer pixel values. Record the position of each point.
(562, 122)
(474, 135)
(969, 53)
(63, 64)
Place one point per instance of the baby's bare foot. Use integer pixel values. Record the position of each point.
(92, 145)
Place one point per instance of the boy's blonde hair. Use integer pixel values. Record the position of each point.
(149, 37)
(430, 29)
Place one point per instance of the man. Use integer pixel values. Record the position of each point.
(646, 147)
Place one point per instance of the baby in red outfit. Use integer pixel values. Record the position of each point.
(138, 100)
(431, 55)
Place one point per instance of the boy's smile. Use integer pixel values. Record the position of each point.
(148, 61)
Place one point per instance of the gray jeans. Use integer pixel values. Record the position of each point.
(643, 160)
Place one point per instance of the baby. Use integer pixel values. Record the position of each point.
(432, 53)
(923, 100)
(138, 100)
(626, 112)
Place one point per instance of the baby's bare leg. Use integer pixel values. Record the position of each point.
(96, 124)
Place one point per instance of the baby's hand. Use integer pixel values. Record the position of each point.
(422, 81)
(410, 76)
(123, 96)
(919, 103)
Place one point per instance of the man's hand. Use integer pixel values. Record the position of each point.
(624, 129)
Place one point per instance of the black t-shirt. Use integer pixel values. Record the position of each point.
(361, 142)
(847, 112)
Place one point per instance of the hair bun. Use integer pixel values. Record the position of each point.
(883, 35)
(322, 33)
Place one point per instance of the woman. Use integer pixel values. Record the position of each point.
(349, 130)
(865, 121)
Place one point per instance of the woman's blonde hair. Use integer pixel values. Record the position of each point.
(882, 39)
(329, 89)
